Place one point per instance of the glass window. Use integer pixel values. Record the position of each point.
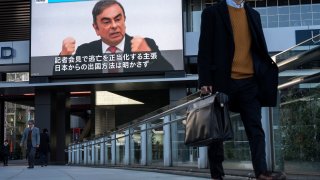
(283, 10)
(264, 19)
(283, 23)
(306, 16)
(306, 22)
(283, 2)
(294, 9)
(305, 1)
(272, 10)
(273, 18)
(272, 24)
(262, 11)
(295, 23)
(316, 8)
(283, 18)
(294, 2)
(271, 3)
(316, 15)
(306, 8)
(294, 17)
(316, 22)
(261, 3)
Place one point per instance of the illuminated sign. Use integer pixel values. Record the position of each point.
(6, 52)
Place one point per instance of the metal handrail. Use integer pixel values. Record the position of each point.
(274, 56)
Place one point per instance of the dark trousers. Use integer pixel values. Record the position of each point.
(31, 154)
(243, 99)
(5, 159)
(43, 158)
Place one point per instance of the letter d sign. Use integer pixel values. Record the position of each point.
(6, 52)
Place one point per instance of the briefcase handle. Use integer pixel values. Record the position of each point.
(220, 97)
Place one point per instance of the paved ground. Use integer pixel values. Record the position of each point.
(81, 173)
(18, 172)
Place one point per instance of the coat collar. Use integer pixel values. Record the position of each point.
(224, 12)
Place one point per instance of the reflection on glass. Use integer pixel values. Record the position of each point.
(298, 129)
(15, 121)
(182, 155)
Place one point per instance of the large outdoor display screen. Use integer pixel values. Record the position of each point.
(81, 37)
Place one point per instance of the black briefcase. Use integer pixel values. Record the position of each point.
(208, 120)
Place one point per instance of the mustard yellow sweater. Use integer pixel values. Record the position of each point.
(242, 65)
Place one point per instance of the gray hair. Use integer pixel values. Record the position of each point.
(102, 5)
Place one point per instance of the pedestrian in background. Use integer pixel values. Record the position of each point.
(44, 147)
(31, 135)
(5, 152)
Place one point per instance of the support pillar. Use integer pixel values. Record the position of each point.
(203, 158)
(167, 148)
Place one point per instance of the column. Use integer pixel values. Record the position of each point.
(85, 154)
(93, 153)
(144, 145)
(127, 147)
(203, 158)
(69, 155)
(102, 150)
(167, 151)
(113, 149)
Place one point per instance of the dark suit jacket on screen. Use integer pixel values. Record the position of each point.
(95, 48)
(216, 51)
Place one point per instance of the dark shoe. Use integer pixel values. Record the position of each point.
(30, 167)
(217, 178)
(272, 176)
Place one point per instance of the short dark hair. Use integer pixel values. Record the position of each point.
(6, 140)
(102, 5)
(31, 121)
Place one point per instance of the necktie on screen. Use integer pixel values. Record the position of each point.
(112, 49)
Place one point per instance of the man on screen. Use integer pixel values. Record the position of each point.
(109, 23)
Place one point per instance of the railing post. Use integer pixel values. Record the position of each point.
(203, 158)
(106, 142)
(144, 145)
(72, 153)
(85, 153)
(167, 151)
(113, 149)
(93, 154)
(102, 149)
(69, 154)
(127, 147)
(81, 153)
(78, 153)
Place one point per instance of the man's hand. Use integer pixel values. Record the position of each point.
(139, 44)
(68, 46)
(21, 144)
(37, 145)
(206, 89)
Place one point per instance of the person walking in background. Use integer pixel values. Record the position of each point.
(31, 135)
(5, 152)
(44, 148)
(233, 58)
